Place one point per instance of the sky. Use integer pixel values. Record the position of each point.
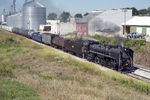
(80, 6)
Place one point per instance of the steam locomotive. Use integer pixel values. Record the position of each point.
(112, 56)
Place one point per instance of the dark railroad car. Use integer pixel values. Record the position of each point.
(37, 36)
(75, 46)
(47, 38)
(21, 31)
(24, 32)
(30, 32)
(59, 41)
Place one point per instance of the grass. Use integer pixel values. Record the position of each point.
(90, 68)
(58, 76)
(128, 82)
(11, 90)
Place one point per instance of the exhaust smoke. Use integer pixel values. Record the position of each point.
(98, 25)
(107, 29)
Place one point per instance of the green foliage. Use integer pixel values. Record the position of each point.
(86, 14)
(143, 11)
(103, 39)
(134, 11)
(78, 15)
(129, 43)
(11, 90)
(148, 10)
(52, 16)
(6, 70)
(7, 42)
(64, 17)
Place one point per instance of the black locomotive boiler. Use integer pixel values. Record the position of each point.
(113, 56)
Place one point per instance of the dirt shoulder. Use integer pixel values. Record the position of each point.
(142, 59)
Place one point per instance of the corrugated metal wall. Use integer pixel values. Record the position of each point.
(15, 20)
(32, 16)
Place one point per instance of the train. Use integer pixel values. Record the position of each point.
(113, 56)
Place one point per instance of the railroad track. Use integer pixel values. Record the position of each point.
(140, 73)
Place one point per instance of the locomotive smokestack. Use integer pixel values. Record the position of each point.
(119, 40)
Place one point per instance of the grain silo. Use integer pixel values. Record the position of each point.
(15, 20)
(33, 15)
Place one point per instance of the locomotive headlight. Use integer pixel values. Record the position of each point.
(73, 46)
(127, 64)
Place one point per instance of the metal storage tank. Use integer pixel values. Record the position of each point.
(15, 20)
(34, 15)
(3, 18)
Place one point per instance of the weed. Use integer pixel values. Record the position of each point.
(6, 70)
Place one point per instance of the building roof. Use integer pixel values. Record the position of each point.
(138, 21)
(32, 4)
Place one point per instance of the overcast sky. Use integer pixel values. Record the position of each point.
(80, 6)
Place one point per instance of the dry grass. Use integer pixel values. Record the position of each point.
(57, 76)
(142, 59)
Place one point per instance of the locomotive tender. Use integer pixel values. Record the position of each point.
(112, 56)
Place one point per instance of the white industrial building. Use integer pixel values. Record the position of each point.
(68, 27)
(54, 26)
(58, 27)
(140, 24)
(107, 21)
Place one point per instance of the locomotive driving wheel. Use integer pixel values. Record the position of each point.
(97, 60)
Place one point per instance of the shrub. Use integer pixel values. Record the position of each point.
(132, 43)
(103, 39)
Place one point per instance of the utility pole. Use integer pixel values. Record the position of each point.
(14, 5)
(124, 28)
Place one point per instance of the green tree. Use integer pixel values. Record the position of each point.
(0, 23)
(64, 17)
(134, 11)
(52, 16)
(78, 15)
(86, 14)
(148, 10)
(143, 11)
